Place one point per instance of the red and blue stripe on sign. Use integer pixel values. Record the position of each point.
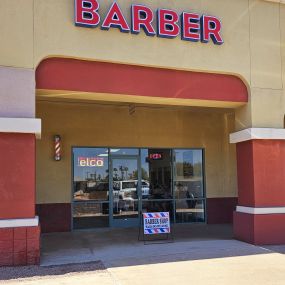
(157, 231)
(156, 215)
(154, 225)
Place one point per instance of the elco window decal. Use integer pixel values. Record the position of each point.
(192, 27)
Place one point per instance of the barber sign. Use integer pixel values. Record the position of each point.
(189, 26)
(156, 223)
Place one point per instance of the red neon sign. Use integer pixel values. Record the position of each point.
(192, 27)
(155, 156)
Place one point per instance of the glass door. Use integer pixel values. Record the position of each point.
(125, 185)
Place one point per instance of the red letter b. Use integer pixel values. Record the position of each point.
(86, 14)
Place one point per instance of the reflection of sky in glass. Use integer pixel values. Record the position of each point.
(144, 163)
(191, 156)
(124, 151)
(81, 172)
(197, 157)
(125, 169)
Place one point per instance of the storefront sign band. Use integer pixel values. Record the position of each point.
(190, 26)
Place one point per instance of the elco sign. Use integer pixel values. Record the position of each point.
(192, 27)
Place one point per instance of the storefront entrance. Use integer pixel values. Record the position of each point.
(113, 186)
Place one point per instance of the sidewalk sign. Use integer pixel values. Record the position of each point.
(156, 227)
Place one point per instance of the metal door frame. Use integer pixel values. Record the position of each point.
(121, 223)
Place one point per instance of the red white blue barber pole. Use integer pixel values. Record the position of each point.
(57, 148)
(156, 223)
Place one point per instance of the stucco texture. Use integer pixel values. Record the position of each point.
(253, 49)
(111, 125)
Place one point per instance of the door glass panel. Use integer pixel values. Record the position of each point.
(125, 188)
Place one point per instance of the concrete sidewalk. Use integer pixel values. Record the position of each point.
(205, 261)
(109, 244)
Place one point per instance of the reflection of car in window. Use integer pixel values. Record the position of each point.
(145, 189)
(124, 190)
(128, 189)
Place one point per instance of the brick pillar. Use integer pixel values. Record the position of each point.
(19, 228)
(260, 215)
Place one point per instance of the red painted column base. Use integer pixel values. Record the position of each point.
(20, 246)
(266, 229)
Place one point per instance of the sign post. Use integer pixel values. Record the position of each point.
(156, 225)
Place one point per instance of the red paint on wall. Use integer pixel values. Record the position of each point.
(261, 173)
(245, 173)
(260, 229)
(100, 77)
(20, 246)
(244, 227)
(17, 176)
(220, 210)
(54, 217)
(57, 217)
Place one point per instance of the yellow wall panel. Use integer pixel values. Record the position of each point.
(56, 34)
(98, 125)
(267, 108)
(265, 45)
(16, 33)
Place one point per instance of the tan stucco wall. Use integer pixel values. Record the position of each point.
(17, 33)
(253, 31)
(84, 124)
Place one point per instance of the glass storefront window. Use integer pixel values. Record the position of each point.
(188, 186)
(190, 211)
(90, 177)
(90, 188)
(152, 206)
(142, 180)
(188, 174)
(90, 215)
(124, 151)
(156, 168)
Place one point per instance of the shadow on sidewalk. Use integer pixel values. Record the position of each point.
(36, 272)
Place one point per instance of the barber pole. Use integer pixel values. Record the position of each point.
(57, 147)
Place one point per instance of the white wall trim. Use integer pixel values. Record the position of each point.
(17, 223)
(257, 134)
(261, 211)
(21, 125)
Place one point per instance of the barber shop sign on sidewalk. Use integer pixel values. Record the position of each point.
(156, 223)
